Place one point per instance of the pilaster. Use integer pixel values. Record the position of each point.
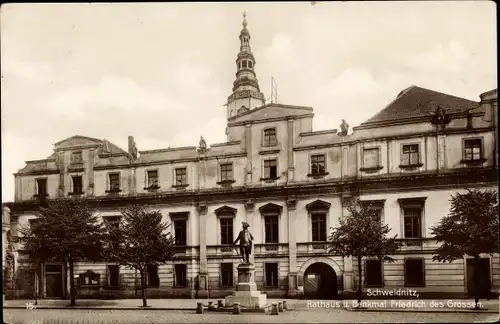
(291, 163)
(291, 205)
(62, 170)
(248, 148)
(90, 171)
(202, 209)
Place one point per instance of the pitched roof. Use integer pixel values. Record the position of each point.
(415, 102)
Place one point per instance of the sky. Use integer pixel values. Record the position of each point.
(162, 72)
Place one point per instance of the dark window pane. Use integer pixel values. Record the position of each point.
(270, 137)
(270, 169)
(271, 229)
(317, 164)
(41, 186)
(77, 184)
(318, 225)
(373, 273)
(114, 181)
(180, 275)
(412, 222)
(226, 171)
(180, 232)
(226, 230)
(181, 176)
(414, 273)
(113, 275)
(152, 276)
(152, 178)
(271, 270)
(227, 274)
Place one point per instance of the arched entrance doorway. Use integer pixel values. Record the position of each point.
(320, 281)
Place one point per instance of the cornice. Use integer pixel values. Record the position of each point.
(268, 120)
(427, 181)
(34, 173)
(396, 137)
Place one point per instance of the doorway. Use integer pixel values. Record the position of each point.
(484, 284)
(54, 281)
(320, 281)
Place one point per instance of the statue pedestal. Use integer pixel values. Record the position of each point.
(246, 291)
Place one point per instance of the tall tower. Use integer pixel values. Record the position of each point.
(246, 92)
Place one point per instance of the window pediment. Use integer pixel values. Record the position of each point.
(179, 215)
(271, 208)
(318, 205)
(414, 201)
(378, 204)
(226, 211)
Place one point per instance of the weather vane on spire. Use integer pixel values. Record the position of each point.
(244, 19)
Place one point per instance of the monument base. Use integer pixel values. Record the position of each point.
(246, 293)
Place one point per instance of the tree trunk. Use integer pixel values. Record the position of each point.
(475, 280)
(360, 281)
(143, 289)
(71, 282)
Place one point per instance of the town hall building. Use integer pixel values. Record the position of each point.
(289, 182)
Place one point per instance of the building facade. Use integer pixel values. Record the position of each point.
(290, 183)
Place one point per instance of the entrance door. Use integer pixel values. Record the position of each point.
(484, 284)
(54, 281)
(320, 282)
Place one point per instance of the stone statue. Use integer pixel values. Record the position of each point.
(440, 118)
(202, 145)
(245, 238)
(344, 128)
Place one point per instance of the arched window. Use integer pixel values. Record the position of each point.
(244, 64)
(250, 64)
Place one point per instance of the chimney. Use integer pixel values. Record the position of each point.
(132, 149)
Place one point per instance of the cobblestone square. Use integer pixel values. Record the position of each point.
(47, 316)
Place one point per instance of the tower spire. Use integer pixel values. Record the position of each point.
(246, 92)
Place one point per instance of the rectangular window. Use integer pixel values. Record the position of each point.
(410, 155)
(414, 273)
(180, 275)
(226, 172)
(226, 270)
(41, 187)
(318, 225)
(180, 176)
(112, 222)
(373, 273)
(270, 169)
(412, 222)
(113, 275)
(270, 137)
(152, 178)
(76, 157)
(318, 164)
(180, 231)
(114, 182)
(153, 280)
(473, 149)
(271, 270)
(271, 228)
(226, 231)
(371, 158)
(77, 184)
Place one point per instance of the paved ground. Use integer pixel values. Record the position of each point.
(421, 305)
(308, 315)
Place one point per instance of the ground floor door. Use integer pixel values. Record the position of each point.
(54, 281)
(320, 282)
(484, 283)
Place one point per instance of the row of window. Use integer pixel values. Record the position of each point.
(410, 154)
(414, 273)
(180, 275)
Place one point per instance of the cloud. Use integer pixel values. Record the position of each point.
(450, 57)
(115, 92)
